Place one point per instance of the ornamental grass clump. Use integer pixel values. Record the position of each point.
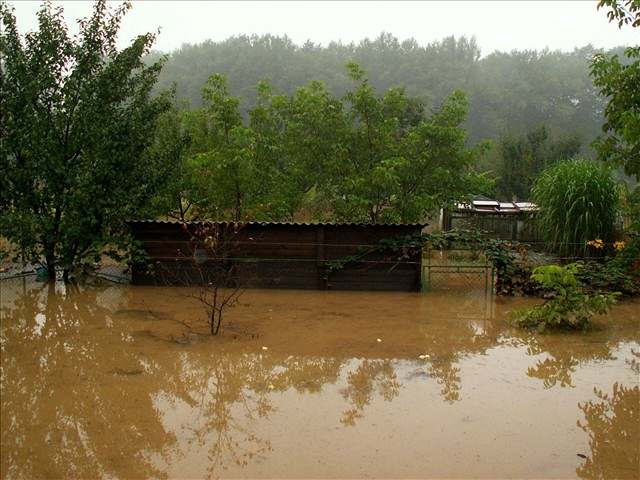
(569, 307)
(578, 201)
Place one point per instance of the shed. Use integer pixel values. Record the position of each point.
(286, 254)
(505, 220)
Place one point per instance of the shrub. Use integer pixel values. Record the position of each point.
(569, 307)
(578, 201)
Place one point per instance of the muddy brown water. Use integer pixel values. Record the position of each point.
(108, 381)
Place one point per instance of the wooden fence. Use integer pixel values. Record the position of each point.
(286, 255)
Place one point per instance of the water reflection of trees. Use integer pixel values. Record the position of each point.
(370, 377)
(54, 394)
(83, 398)
(446, 347)
(613, 425)
(564, 353)
(230, 392)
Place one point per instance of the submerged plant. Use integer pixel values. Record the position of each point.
(569, 307)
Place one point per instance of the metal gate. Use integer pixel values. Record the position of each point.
(456, 269)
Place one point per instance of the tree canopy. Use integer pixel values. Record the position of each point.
(368, 157)
(77, 116)
(509, 92)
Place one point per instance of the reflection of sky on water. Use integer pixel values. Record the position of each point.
(95, 384)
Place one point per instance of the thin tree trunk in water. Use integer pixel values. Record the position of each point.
(51, 271)
(214, 330)
(219, 323)
(50, 247)
(51, 264)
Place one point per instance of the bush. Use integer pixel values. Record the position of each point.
(569, 307)
(578, 201)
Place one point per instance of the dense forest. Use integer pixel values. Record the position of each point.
(509, 92)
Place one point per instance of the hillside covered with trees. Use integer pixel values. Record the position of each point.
(509, 92)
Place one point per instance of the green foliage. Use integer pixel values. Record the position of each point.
(398, 164)
(618, 81)
(511, 91)
(570, 307)
(406, 247)
(77, 121)
(617, 273)
(609, 275)
(367, 158)
(512, 268)
(624, 12)
(578, 201)
(522, 158)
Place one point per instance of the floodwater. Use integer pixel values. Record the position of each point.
(109, 381)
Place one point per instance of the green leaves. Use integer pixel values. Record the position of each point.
(618, 81)
(77, 120)
(367, 158)
(521, 158)
(578, 201)
(569, 308)
(625, 12)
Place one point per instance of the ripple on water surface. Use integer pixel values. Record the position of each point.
(110, 381)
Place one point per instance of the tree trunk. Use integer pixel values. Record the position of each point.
(51, 264)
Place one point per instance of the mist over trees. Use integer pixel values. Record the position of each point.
(510, 93)
(366, 157)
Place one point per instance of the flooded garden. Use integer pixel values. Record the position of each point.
(122, 381)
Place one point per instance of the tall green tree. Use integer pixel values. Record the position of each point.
(401, 165)
(521, 158)
(77, 117)
(225, 176)
(299, 140)
(619, 82)
(174, 141)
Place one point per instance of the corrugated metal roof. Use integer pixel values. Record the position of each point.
(494, 206)
(307, 224)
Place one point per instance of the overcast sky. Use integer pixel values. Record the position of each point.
(496, 25)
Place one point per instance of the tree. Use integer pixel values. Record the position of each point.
(173, 142)
(401, 165)
(618, 81)
(300, 139)
(624, 12)
(77, 118)
(521, 158)
(225, 175)
(366, 158)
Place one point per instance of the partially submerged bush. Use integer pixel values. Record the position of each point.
(619, 272)
(569, 307)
